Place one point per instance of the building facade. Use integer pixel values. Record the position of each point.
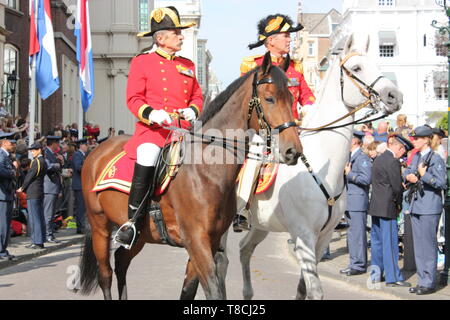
(49, 112)
(407, 49)
(313, 43)
(115, 43)
(204, 59)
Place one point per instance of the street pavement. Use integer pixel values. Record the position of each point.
(157, 273)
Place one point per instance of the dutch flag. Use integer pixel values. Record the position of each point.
(42, 46)
(84, 53)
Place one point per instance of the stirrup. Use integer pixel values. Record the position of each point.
(128, 224)
(241, 222)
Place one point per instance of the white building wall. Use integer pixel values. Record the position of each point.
(114, 44)
(413, 62)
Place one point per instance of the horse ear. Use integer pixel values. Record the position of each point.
(348, 44)
(285, 63)
(267, 63)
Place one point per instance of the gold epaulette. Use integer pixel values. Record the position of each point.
(184, 58)
(298, 66)
(248, 63)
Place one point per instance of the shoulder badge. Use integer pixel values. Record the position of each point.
(186, 71)
(249, 63)
(298, 66)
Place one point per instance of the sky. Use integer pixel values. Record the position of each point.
(230, 25)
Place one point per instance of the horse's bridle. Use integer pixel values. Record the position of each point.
(372, 96)
(255, 104)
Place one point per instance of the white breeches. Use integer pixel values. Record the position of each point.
(147, 154)
(250, 175)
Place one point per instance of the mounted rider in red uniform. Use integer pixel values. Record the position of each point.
(160, 86)
(274, 33)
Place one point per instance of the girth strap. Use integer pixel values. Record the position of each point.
(330, 200)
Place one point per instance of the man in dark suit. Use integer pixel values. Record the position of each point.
(358, 173)
(7, 179)
(33, 186)
(52, 184)
(385, 205)
(77, 165)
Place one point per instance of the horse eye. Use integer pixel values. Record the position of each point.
(270, 100)
(356, 69)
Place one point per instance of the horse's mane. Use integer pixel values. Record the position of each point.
(278, 77)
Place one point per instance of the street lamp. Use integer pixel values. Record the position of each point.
(11, 84)
(446, 30)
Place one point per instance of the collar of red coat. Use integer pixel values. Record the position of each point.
(164, 54)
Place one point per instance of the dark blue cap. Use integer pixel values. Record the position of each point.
(8, 136)
(439, 132)
(358, 134)
(36, 145)
(81, 141)
(53, 138)
(422, 131)
(102, 140)
(404, 141)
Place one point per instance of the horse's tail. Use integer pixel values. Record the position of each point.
(88, 267)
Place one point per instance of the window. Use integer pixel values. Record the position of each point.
(386, 51)
(387, 40)
(440, 83)
(10, 75)
(310, 48)
(13, 4)
(386, 3)
(439, 44)
(144, 16)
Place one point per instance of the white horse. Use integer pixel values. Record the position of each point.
(295, 203)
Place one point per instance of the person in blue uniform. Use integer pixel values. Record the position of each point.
(77, 164)
(385, 205)
(427, 178)
(358, 172)
(52, 184)
(8, 169)
(33, 186)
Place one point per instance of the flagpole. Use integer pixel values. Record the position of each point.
(80, 121)
(32, 103)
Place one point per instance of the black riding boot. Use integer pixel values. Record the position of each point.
(142, 178)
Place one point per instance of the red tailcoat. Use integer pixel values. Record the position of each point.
(159, 81)
(297, 83)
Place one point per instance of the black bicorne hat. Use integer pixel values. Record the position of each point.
(166, 18)
(271, 25)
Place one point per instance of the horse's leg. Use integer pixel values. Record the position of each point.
(190, 284)
(122, 259)
(306, 255)
(301, 288)
(101, 244)
(246, 247)
(200, 252)
(221, 260)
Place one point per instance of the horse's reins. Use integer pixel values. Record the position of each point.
(373, 99)
(253, 105)
(368, 91)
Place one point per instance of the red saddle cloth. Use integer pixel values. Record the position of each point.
(267, 176)
(118, 174)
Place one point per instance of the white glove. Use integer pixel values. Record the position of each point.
(159, 117)
(188, 114)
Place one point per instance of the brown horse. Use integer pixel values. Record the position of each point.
(200, 204)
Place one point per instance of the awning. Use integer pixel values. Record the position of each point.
(387, 38)
(391, 76)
